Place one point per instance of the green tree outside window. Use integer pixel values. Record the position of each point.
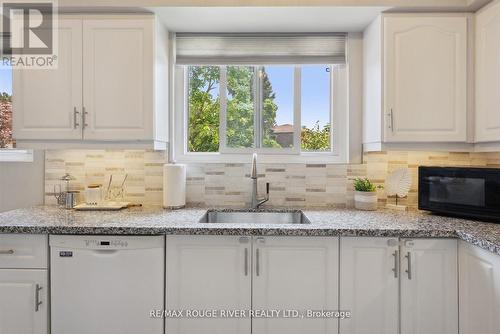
(204, 111)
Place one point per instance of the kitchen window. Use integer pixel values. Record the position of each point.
(8, 151)
(226, 108)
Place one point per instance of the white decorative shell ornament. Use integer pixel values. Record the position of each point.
(398, 183)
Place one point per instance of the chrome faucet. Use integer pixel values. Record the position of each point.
(256, 202)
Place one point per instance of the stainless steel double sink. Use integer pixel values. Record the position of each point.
(283, 217)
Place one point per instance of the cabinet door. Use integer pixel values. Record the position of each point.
(479, 290)
(47, 104)
(369, 281)
(208, 273)
(20, 289)
(295, 273)
(425, 79)
(429, 287)
(118, 78)
(488, 73)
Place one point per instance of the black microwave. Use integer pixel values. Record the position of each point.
(464, 192)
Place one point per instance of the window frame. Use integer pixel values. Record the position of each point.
(339, 110)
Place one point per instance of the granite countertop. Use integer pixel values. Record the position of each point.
(338, 222)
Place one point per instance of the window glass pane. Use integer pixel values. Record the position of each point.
(6, 108)
(277, 106)
(240, 114)
(204, 108)
(315, 108)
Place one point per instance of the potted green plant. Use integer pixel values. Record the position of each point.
(365, 195)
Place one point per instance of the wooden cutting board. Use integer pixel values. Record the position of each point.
(105, 206)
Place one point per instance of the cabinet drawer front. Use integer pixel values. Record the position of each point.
(23, 251)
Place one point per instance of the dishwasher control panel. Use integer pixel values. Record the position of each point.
(105, 242)
(115, 243)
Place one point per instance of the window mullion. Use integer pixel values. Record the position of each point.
(258, 107)
(332, 112)
(297, 91)
(223, 109)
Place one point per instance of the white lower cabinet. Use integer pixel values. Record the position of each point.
(208, 273)
(23, 284)
(23, 301)
(378, 277)
(295, 273)
(429, 286)
(479, 290)
(259, 274)
(369, 286)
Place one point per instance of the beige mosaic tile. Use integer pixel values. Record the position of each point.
(144, 169)
(228, 185)
(378, 162)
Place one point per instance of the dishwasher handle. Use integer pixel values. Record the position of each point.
(105, 251)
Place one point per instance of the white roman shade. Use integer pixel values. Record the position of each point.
(256, 49)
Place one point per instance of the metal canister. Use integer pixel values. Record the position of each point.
(70, 199)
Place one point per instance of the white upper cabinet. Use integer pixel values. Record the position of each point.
(118, 78)
(295, 273)
(488, 74)
(479, 290)
(416, 81)
(369, 283)
(425, 79)
(47, 104)
(111, 86)
(429, 286)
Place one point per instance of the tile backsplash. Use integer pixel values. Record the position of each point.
(291, 185)
(144, 171)
(379, 164)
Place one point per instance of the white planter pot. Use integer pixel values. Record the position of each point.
(366, 200)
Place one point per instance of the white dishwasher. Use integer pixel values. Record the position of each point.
(106, 284)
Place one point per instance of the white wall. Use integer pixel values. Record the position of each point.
(22, 183)
(372, 83)
(355, 59)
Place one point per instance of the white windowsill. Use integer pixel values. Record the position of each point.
(15, 155)
(304, 158)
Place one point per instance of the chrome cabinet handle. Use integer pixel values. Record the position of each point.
(245, 240)
(396, 263)
(408, 271)
(246, 262)
(84, 118)
(260, 240)
(391, 123)
(75, 115)
(257, 262)
(37, 297)
(7, 252)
